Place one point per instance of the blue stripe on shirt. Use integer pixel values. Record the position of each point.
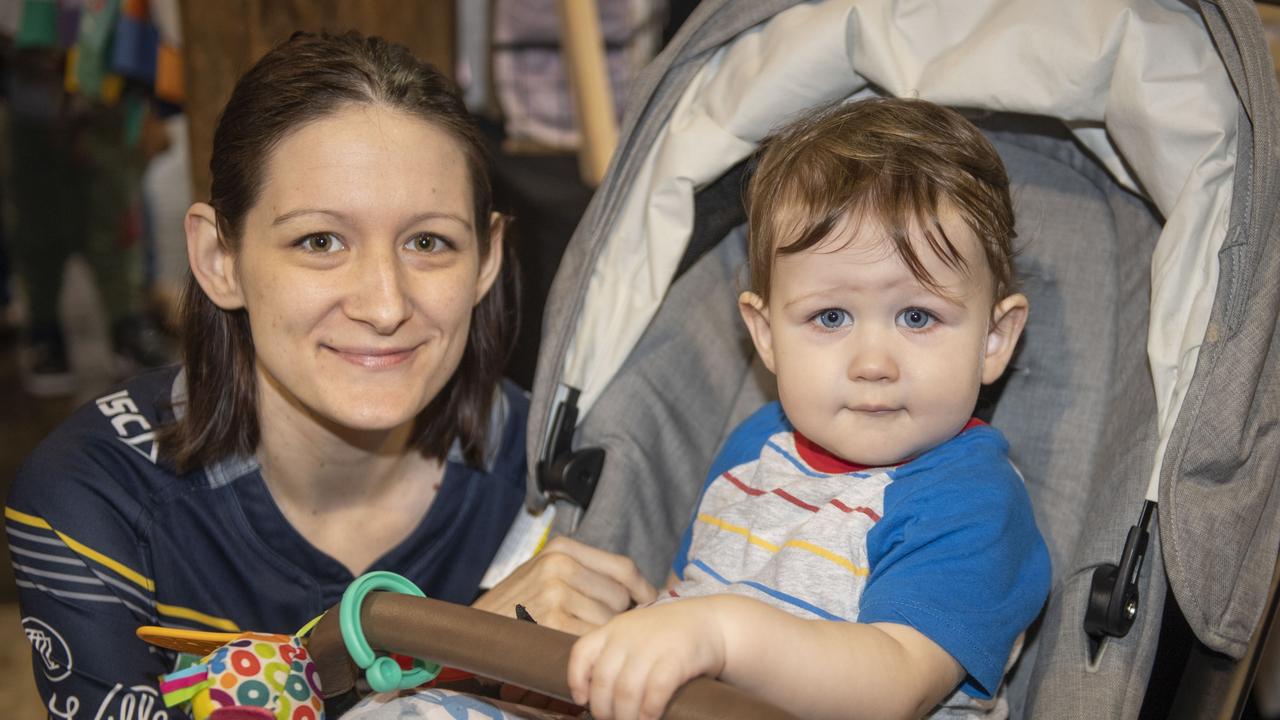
(772, 592)
(796, 461)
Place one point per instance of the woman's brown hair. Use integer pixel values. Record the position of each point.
(895, 161)
(305, 79)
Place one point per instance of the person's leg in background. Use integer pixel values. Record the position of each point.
(113, 241)
(48, 218)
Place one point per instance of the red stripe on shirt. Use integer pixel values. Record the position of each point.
(742, 486)
(794, 500)
(864, 510)
(797, 501)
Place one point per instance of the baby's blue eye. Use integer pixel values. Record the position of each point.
(832, 318)
(915, 318)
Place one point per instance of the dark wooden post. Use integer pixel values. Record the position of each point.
(221, 39)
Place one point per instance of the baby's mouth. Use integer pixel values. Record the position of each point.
(872, 409)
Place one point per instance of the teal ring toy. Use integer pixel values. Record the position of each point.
(383, 673)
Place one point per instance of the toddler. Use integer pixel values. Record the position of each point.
(863, 547)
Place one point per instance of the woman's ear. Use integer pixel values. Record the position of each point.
(756, 316)
(491, 264)
(213, 265)
(1007, 320)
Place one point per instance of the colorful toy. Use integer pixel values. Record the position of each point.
(264, 676)
(253, 676)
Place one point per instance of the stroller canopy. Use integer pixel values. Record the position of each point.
(1176, 108)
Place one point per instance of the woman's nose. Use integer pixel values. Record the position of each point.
(378, 296)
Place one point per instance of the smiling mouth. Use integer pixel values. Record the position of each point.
(373, 358)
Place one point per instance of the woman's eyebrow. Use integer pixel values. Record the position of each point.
(342, 217)
(293, 214)
(437, 215)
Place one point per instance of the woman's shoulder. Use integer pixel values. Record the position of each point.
(106, 451)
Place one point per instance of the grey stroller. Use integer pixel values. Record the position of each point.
(1140, 138)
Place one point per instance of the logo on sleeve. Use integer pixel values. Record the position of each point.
(140, 702)
(54, 654)
(129, 423)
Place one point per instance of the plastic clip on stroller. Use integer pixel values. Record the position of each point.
(383, 673)
(1113, 595)
(565, 473)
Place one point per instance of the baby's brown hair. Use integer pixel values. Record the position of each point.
(895, 160)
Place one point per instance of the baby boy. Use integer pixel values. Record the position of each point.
(863, 547)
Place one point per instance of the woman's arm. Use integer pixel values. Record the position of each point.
(80, 607)
(814, 668)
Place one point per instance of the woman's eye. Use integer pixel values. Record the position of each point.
(832, 318)
(915, 318)
(427, 242)
(321, 243)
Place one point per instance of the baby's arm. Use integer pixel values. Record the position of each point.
(630, 667)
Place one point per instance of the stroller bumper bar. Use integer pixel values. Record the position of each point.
(505, 649)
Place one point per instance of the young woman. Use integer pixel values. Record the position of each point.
(339, 408)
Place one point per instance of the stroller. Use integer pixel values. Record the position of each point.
(1139, 138)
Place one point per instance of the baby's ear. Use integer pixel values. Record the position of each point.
(1007, 320)
(755, 315)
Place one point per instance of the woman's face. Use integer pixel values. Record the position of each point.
(359, 267)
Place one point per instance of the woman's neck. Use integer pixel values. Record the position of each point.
(353, 495)
(308, 462)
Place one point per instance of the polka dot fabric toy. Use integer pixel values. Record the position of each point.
(254, 676)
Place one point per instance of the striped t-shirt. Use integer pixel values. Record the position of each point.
(945, 543)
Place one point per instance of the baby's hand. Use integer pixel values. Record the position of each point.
(632, 666)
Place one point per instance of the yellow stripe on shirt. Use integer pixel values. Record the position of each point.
(739, 530)
(25, 519)
(798, 544)
(83, 550)
(146, 583)
(130, 574)
(182, 613)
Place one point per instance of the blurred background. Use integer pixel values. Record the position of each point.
(107, 110)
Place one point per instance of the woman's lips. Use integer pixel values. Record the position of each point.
(373, 358)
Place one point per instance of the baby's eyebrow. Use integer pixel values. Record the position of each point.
(954, 300)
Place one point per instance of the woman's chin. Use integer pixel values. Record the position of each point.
(369, 415)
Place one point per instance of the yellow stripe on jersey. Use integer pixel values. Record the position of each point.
(174, 611)
(25, 519)
(130, 574)
(805, 545)
(83, 550)
(137, 578)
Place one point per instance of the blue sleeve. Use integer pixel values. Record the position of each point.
(957, 556)
(80, 563)
(743, 445)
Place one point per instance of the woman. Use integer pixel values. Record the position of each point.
(339, 408)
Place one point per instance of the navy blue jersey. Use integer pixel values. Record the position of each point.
(105, 537)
